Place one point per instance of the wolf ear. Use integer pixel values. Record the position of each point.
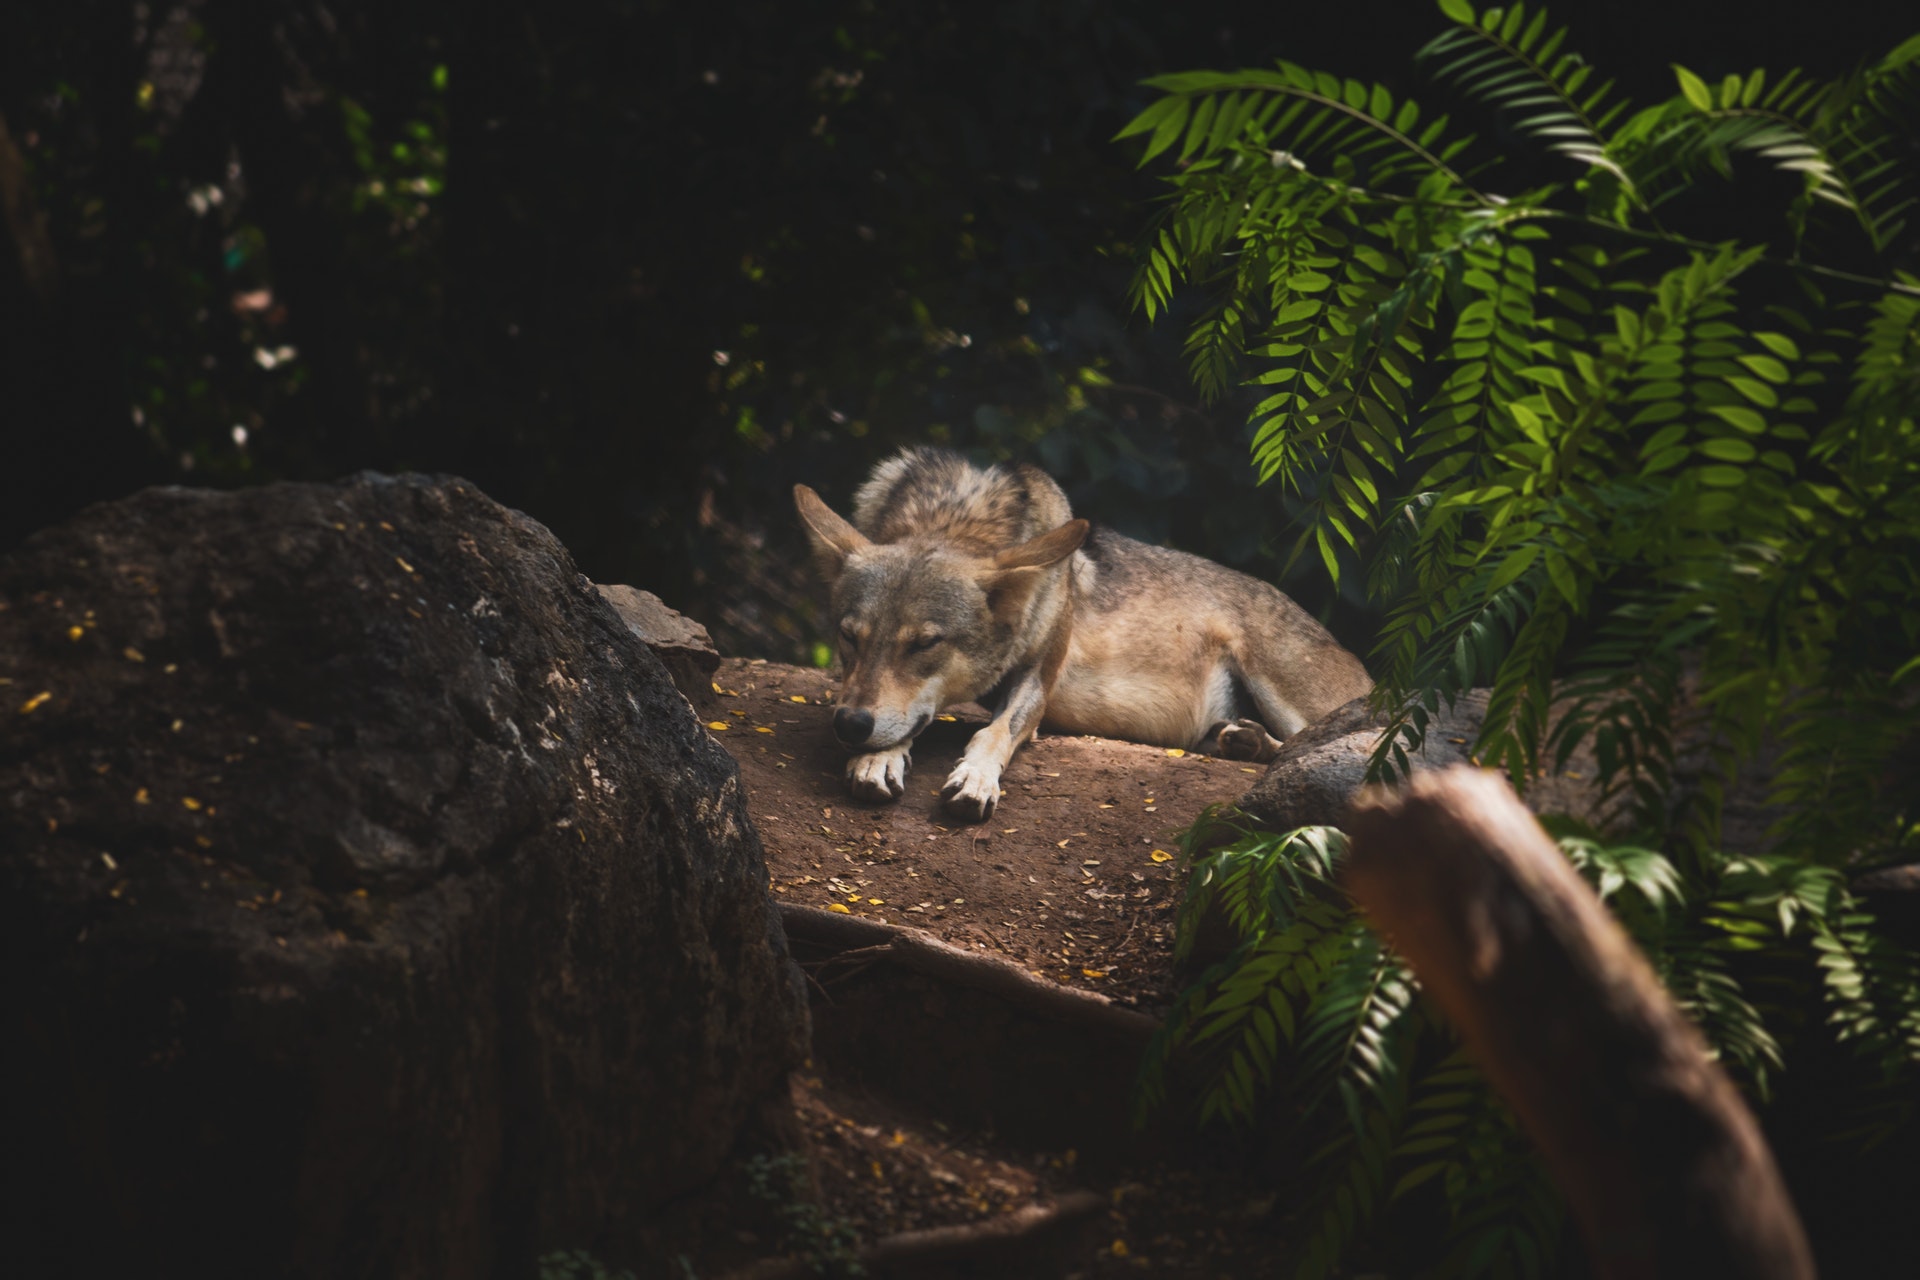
(1016, 571)
(1048, 548)
(833, 538)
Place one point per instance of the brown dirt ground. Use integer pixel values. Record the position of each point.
(1074, 876)
(884, 1170)
(887, 1170)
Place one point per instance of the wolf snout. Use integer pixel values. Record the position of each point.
(852, 725)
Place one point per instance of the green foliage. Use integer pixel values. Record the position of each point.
(1638, 450)
(576, 1264)
(1576, 442)
(1309, 1005)
(1304, 978)
(827, 1246)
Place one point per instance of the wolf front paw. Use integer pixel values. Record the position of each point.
(1245, 740)
(972, 791)
(879, 776)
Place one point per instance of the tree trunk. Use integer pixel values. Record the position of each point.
(1663, 1165)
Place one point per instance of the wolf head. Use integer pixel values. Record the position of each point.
(923, 623)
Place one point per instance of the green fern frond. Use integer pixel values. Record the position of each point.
(1851, 140)
(1518, 67)
(1352, 126)
(1347, 1036)
(1696, 967)
(1353, 1168)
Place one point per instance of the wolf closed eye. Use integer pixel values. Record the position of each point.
(985, 580)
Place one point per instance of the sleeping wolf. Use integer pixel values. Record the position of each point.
(956, 584)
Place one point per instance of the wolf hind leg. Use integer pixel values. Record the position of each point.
(1278, 715)
(1242, 739)
(1246, 718)
(879, 775)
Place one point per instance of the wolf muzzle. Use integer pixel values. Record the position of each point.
(852, 725)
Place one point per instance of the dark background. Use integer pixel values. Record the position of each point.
(637, 267)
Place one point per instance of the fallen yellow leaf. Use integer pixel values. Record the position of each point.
(796, 697)
(33, 702)
(132, 654)
(1161, 855)
(948, 719)
(1094, 973)
(875, 902)
(717, 688)
(718, 725)
(189, 802)
(74, 633)
(1175, 751)
(1119, 1248)
(403, 564)
(841, 907)
(761, 728)
(141, 796)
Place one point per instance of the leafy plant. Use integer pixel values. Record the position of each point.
(1309, 1005)
(576, 1264)
(1639, 456)
(826, 1246)
(1594, 431)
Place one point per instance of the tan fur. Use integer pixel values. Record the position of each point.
(953, 583)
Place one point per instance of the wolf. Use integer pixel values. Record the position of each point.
(955, 583)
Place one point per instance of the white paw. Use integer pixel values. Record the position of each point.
(881, 775)
(972, 790)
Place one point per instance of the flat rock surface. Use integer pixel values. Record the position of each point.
(665, 631)
(1073, 877)
(1319, 770)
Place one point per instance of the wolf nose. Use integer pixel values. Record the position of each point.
(852, 725)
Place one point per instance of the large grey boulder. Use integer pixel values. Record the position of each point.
(372, 902)
(1319, 770)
